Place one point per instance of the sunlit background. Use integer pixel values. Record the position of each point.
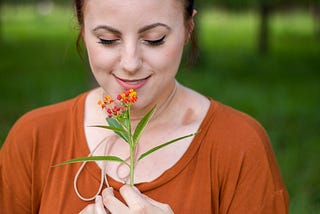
(262, 57)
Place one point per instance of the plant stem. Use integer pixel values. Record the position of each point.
(132, 162)
(132, 149)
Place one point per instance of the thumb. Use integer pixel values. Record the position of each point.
(99, 207)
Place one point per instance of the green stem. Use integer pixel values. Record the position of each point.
(132, 149)
(132, 163)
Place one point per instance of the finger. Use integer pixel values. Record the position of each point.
(162, 206)
(133, 198)
(88, 209)
(99, 207)
(112, 203)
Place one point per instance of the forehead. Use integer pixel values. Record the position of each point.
(132, 11)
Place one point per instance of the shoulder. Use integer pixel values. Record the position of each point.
(235, 127)
(239, 142)
(45, 122)
(243, 159)
(51, 113)
(236, 140)
(40, 126)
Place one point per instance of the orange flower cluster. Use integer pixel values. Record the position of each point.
(127, 97)
(106, 101)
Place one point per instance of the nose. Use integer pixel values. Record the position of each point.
(131, 60)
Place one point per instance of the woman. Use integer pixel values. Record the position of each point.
(229, 167)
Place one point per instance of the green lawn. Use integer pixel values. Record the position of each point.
(39, 66)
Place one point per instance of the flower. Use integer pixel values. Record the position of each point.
(106, 100)
(119, 121)
(116, 109)
(129, 96)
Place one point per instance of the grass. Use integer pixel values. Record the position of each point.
(39, 66)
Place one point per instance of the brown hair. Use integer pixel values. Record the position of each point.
(188, 12)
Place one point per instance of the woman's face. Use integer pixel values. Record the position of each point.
(135, 44)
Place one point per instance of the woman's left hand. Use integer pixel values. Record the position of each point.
(136, 202)
(96, 208)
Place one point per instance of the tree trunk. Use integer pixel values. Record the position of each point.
(1, 20)
(315, 9)
(263, 40)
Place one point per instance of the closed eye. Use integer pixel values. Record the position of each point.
(107, 41)
(156, 42)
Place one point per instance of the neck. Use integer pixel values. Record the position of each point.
(160, 109)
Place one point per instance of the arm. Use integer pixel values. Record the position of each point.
(15, 171)
(250, 180)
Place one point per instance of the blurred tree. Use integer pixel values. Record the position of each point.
(1, 4)
(315, 10)
(265, 10)
(0, 20)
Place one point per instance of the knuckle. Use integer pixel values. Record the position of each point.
(107, 199)
(167, 208)
(138, 208)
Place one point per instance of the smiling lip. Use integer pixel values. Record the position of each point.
(132, 84)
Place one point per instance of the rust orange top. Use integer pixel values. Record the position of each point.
(229, 167)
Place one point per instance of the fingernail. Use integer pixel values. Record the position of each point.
(98, 198)
(108, 190)
(136, 189)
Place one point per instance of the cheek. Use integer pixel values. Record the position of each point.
(100, 58)
(169, 59)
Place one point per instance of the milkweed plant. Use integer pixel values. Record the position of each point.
(118, 119)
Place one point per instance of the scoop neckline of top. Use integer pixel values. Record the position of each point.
(167, 175)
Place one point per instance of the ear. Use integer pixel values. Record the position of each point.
(82, 34)
(190, 26)
(194, 12)
(191, 21)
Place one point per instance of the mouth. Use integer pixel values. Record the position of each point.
(132, 84)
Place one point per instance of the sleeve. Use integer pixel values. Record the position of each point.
(250, 180)
(16, 170)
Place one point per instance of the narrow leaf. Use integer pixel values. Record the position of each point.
(163, 145)
(93, 158)
(142, 124)
(120, 130)
(115, 129)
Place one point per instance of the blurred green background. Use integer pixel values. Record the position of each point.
(261, 58)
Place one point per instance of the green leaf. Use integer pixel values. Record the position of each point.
(93, 158)
(118, 129)
(163, 145)
(115, 129)
(141, 125)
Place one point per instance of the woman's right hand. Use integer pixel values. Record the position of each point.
(136, 203)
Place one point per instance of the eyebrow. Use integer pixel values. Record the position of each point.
(149, 27)
(108, 28)
(115, 31)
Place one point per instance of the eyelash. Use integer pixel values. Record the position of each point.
(149, 42)
(107, 42)
(156, 42)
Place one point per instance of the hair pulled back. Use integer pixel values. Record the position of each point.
(188, 11)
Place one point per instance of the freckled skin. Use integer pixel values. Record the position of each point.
(188, 117)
